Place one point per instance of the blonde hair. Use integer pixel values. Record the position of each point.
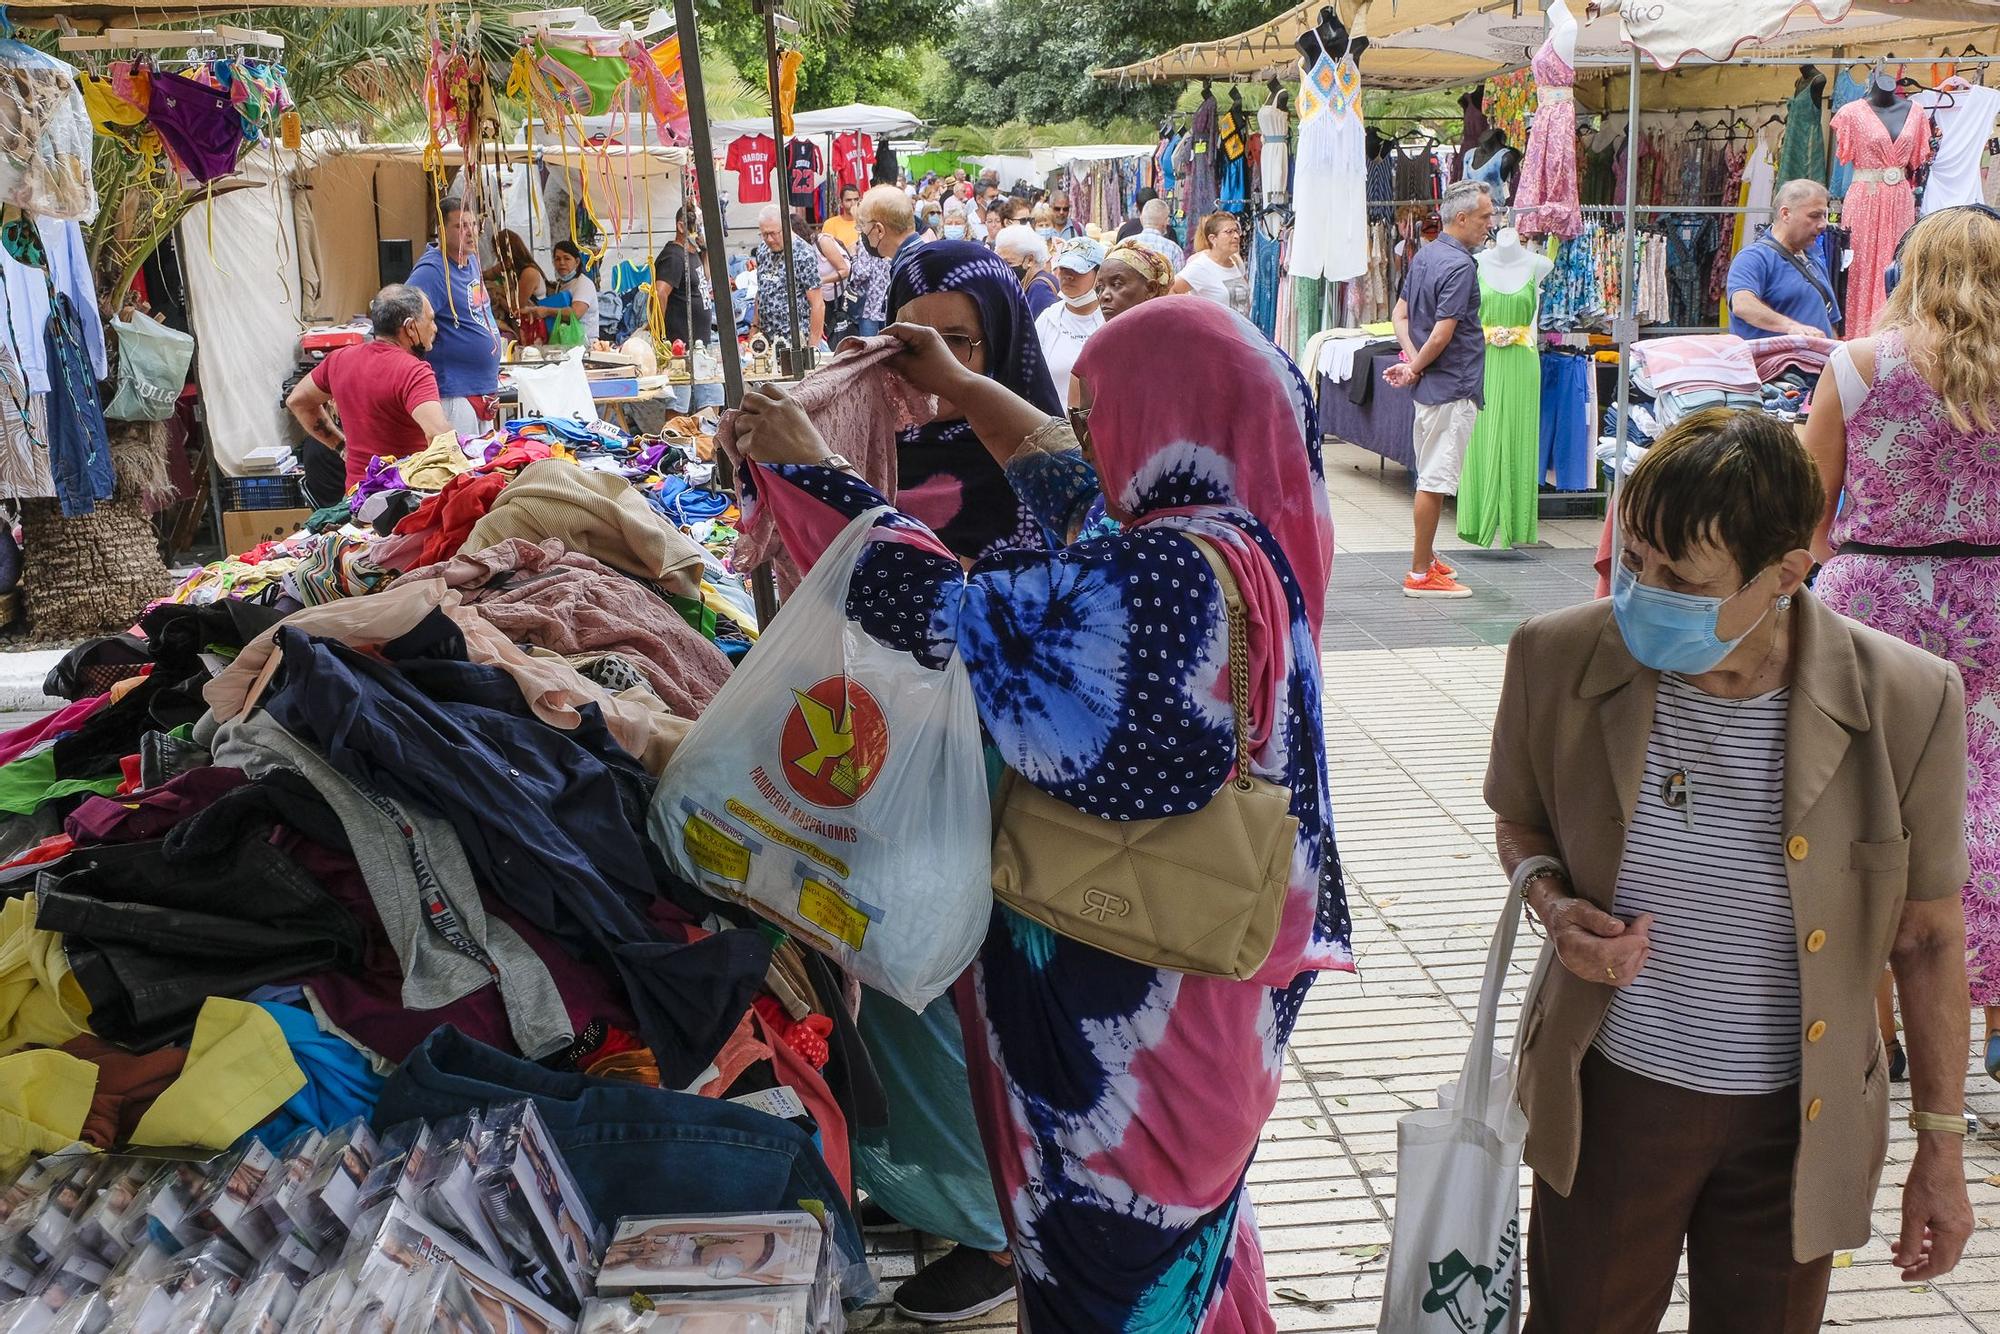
(1949, 291)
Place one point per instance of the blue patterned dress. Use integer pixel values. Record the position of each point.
(1121, 1105)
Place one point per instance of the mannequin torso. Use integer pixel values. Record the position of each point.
(1508, 266)
(1893, 111)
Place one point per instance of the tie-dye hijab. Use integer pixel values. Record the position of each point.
(945, 477)
(1236, 435)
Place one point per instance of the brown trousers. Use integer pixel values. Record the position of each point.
(1661, 1166)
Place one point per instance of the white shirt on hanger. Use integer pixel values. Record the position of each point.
(1965, 120)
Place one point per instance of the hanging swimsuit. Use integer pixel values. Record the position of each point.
(585, 84)
(199, 124)
(111, 115)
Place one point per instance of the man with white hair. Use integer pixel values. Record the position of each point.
(1775, 286)
(805, 326)
(886, 221)
(1154, 219)
(1027, 254)
(1444, 367)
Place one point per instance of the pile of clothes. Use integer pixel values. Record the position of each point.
(351, 828)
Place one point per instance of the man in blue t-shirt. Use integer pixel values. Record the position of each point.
(466, 354)
(1776, 285)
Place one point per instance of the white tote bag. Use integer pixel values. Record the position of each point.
(838, 787)
(1454, 1262)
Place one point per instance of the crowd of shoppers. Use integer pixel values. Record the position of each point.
(1733, 795)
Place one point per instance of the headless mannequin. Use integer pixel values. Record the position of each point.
(1508, 266)
(1329, 35)
(1494, 143)
(1562, 31)
(1891, 110)
(1810, 77)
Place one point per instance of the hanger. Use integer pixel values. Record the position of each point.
(1697, 131)
(162, 39)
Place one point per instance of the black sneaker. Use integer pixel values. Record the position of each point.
(1899, 1064)
(959, 1285)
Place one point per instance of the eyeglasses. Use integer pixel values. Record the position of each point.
(962, 345)
(1079, 422)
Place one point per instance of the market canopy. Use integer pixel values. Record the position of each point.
(858, 116)
(1444, 43)
(1715, 30)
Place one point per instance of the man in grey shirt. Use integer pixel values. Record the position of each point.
(1444, 365)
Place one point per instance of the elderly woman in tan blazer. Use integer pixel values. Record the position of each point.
(1728, 807)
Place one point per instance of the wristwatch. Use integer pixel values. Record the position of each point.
(839, 461)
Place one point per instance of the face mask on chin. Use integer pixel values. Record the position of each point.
(1082, 302)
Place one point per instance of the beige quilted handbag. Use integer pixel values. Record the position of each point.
(1198, 893)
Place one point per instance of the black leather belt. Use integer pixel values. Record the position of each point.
(1936, 550)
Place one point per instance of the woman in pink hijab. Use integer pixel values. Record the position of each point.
(1120, 1104)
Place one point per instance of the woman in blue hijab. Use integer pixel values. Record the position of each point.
(945, 477)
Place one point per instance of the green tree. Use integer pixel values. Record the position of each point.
(853, 52)
(1030, 60)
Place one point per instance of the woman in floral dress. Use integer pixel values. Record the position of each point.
(1120, 1104)
(1907, 423)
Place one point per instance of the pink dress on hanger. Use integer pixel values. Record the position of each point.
(1881, 202)
(1546, 199)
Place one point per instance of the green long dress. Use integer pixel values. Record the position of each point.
(1497, 490)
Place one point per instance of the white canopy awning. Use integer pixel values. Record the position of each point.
(1716, 30)
(872, 120)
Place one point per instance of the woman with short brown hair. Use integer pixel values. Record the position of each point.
(1729, 807)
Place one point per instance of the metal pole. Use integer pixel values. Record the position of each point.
(763, 589)
(1626, 330)
(711, 216)
(800, 337)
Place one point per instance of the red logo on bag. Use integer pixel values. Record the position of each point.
(834, 743)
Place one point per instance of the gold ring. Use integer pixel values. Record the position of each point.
(1610, 973)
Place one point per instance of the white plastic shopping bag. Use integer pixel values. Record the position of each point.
(1454, 1262)
(557, 389)
(839, 788)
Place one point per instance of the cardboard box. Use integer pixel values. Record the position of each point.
(243, 529)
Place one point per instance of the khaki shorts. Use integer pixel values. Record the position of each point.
(1438, 439)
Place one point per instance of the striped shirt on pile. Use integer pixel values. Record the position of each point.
(1716, 1007)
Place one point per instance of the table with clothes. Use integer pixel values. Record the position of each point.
(1355, 403)
(348, 835)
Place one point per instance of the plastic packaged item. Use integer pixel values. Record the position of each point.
(451, 1199)
(743, 1311)
(228, 1207)
(332, 1200)
(693, 1251)
(402, 1238)
(536, 1207)
(405, 1168)
(838, 787)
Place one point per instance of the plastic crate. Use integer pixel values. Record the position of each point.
(267, 493)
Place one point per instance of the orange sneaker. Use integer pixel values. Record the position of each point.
(1433, 585)
(1442, 570)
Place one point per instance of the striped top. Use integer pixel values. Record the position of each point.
(1716, 1008)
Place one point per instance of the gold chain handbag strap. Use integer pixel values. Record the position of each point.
(1239, 653)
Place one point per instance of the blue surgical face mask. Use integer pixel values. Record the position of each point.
(954, 231)
(1045, 232)
(1669, 631)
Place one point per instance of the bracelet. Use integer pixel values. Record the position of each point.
(1945, 1123)
(1526, 874)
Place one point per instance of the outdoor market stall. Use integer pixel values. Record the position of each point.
(1620, 264)
(339, 969)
